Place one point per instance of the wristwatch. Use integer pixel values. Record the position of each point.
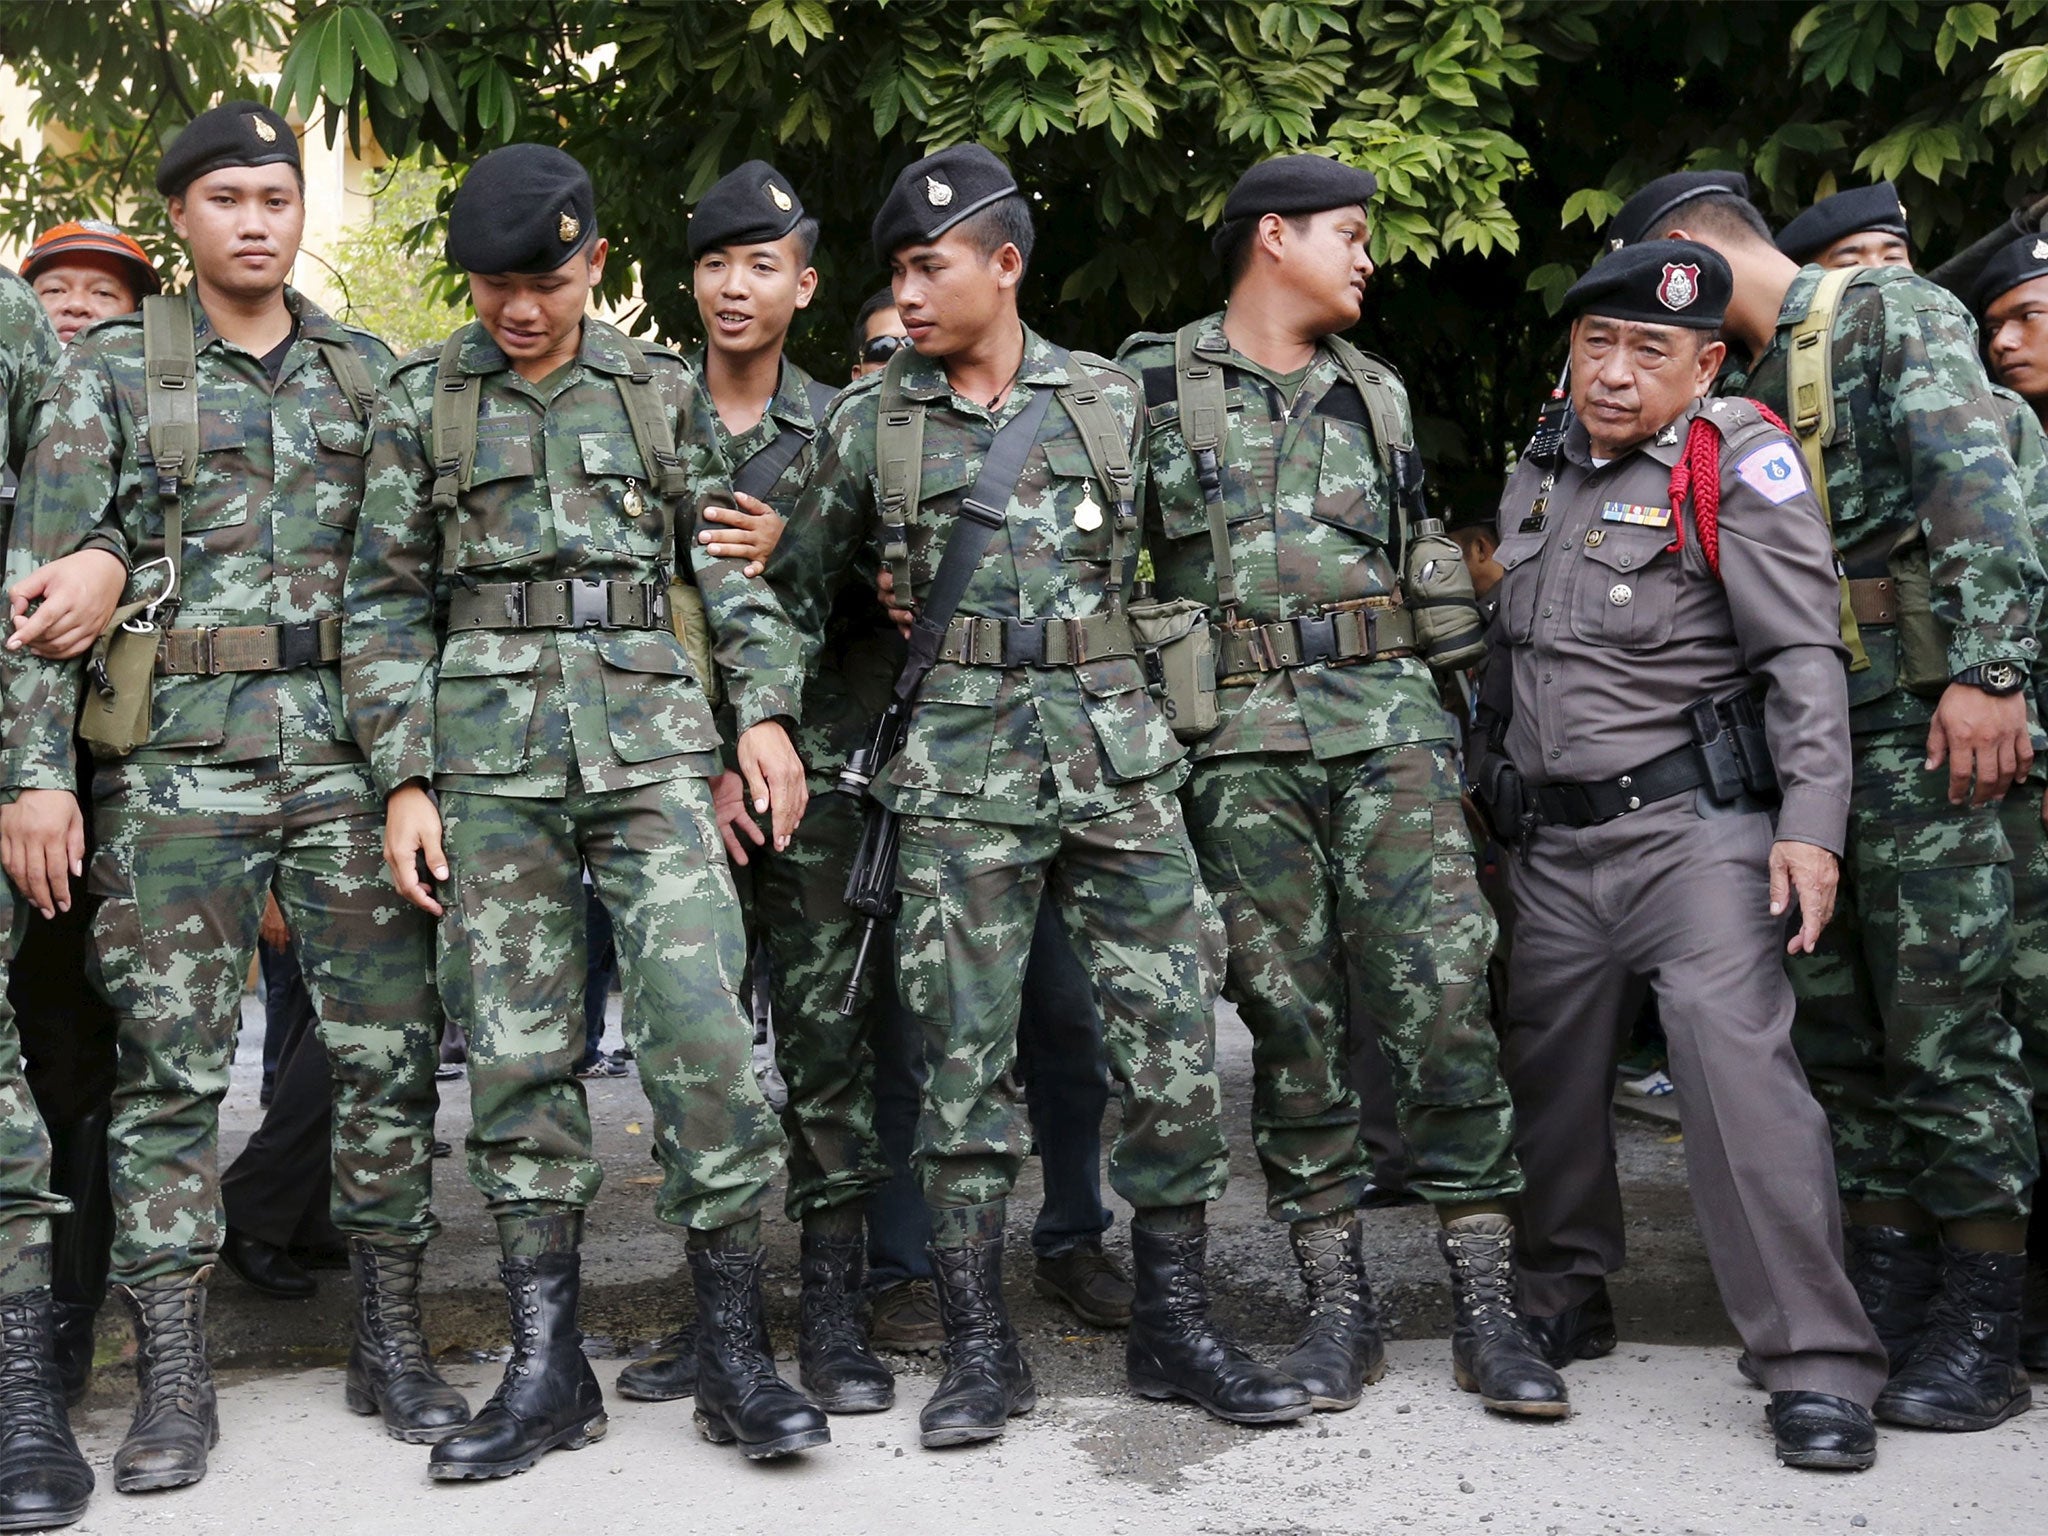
(1997, 678)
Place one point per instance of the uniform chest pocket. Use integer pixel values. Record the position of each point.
(1514, 600)
(338, 488)
(622, 508)
(1351, 489)
(503, 514)
(1081, 508)
(938, 482)
(226, 480)
(1627, 587)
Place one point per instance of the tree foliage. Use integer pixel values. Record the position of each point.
(1504, 134)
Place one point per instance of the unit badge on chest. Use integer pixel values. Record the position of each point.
(1087, 515)
(636, 504)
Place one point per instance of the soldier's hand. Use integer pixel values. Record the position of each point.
(756, 530)
(42, 847)
(729, 807)
(1811, 874)
(1983, 739)
(78, 594)
(272, 928)
(901, 617)
(775, 778)
(412, 834)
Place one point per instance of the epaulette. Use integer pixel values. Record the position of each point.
(419, 357)
(1137, 339)
(863, 386)
(1095, 362)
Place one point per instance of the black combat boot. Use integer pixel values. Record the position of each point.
(175, 1424)
(79, 1246)
(1965, 1372)
(44, 1481)
(1815, 1429)
(741, 1400)
(1493, 1352)
(833, 1359)
(389, 1370)
(1581, 1332)
(986, 1380)
(1340, 1353)
(666, 1372)
(549, 1398)
(1174, 1350)
(1896, 1275)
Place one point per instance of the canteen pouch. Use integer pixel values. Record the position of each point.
(1450, 632)
(1923, 651)
(693, 627)
(1178, 652)
(120, 674)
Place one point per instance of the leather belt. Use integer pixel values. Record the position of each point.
(1587, 805)
(1372, 632)
(1874, 601)
(569, 604)
(249, 648)
(973, 642)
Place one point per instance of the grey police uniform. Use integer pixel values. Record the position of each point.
(1609, 633)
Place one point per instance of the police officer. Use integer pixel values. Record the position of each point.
(247, 781)
(1665, 673)
(1901, 1028)
(1035, 760)
(533, 483)
(1325, 804)
(1862, 227)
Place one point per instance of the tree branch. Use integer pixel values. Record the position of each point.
(163, 61)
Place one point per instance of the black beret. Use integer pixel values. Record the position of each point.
(1655, 202)
(1298, 184)
(1659, 282)
(750, 206)
(231, 134)
(2020, 262)
(523, 208)
(936, 193)
(1846, 213)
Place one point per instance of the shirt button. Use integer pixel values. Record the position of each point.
(1546, 677)
(1626, 561)
(1546, 613)
(1557, 751)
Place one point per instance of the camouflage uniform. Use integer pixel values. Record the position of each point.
(798, 896)
(1900, 1026)
(29, 353)
(1018, 778)
(249, 783)
(1325, 807)
(552, 750)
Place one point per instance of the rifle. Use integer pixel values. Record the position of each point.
(871, 881)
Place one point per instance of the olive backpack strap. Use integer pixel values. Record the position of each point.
(1204, 415)
(350, 372)
(1810, 392)
(171, 400)
(1110, 457)
(452, 429)
(899, 469)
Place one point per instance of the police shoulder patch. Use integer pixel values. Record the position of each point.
(1773, 472)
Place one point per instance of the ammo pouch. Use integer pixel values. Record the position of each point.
(1177, 649)
(114, 715)
(1501, 796)
(1923, 649)
(1732, 750)
(693, 627)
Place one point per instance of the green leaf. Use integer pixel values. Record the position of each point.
(370, 43)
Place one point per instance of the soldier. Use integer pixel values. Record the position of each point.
(509, 647)
(1035, 760)
(1664, 635)
(1900, 1025)
(751, 242)
(2011, 301)
(1324, 806)
(217, 446)
(1863, 227)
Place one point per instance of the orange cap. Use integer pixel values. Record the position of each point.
(80, 235)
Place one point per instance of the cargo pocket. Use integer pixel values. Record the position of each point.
(952, 733)
(1137, 740)
(654, 707)
(484, 702)
(189, 711)
(922, 969)
(1954, 908)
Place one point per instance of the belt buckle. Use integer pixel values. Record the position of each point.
(1315, 637)
(298, 645)
(588, 605)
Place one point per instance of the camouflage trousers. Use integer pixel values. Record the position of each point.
(26, 1200)
(513, 944)
(827, 1060)
(1359, 867)
(2026, 989)
(187, 854)
(1127, 891)
(1900, 1025)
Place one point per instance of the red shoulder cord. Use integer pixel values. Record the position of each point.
(1698, 470)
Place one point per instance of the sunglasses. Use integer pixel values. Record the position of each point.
(879, 349)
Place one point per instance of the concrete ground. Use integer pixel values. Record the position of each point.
(1666, 1437)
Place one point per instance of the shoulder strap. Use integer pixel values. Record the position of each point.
(1199, 399)
(350, 372)
(651, 434)
(899, 468)
(1110, 457)
(762, 468)
(453, 430)
(171, 397)
(1810, 392)
(1390, 430)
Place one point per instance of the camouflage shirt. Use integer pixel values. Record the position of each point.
(1010, 745)
(269, 515)
(1919, 438)
(557, 490)
(2029, 446)
(29, 353)
(1312, 521)
(862, 652)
